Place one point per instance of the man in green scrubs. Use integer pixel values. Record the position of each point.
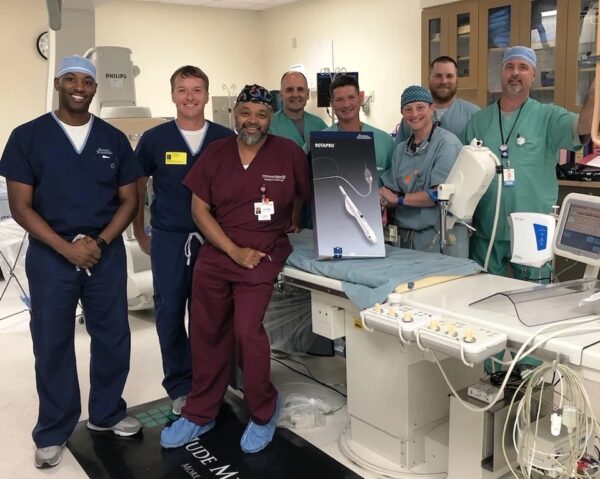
(451, 113)
(346, 99)
(292, 121)
(526, 136)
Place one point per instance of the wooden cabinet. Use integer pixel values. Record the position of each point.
(452, 30)
(581, 48)
(562, 33)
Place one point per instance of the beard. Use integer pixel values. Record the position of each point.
(442, 95)
(251, 139)
(515, 88)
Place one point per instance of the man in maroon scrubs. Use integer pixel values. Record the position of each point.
(244, 189)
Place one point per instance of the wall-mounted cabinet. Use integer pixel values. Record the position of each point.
(581, 49)
(453, 30)
(476, 33)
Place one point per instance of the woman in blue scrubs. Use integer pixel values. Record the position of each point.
(419, 164)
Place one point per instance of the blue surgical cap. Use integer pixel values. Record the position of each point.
(520, 53)
(415, 93)
(75, 63)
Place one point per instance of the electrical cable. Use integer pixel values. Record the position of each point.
(530, 459)
(308, 376)
(496, 215)
(562, 271)
(570, 327)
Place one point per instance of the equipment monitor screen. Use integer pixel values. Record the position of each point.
(324, 82)
(578, 235)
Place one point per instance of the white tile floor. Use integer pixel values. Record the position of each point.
(18, 398)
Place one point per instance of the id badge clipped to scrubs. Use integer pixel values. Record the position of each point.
(509, 176)
(508, 173)
(264, 208)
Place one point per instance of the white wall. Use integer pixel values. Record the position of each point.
(224, 43)
(245, 47)
(23, 78)
(380, 39)
(232, 46)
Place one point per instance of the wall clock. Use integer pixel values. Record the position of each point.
(43, 45)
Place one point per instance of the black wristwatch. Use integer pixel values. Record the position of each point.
(102, 244)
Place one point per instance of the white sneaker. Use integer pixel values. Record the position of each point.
(178, 404)
(48, 456)
(128, 426)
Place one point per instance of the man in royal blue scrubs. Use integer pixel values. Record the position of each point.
(166, 153)
(72, 185)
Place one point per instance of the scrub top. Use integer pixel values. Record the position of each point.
(164, 154)
(420, 171)
(75, 193)
(281, 125)
(538, 132)
(384, 145)
(454, 120)
(279, 171)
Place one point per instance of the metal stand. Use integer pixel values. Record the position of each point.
(443, 224)
(591, 272)
(12, 276)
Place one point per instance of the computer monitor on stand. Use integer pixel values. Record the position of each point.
(578, 232)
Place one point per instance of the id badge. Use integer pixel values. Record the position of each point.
(268, 207)
(263, 210)
(509, 176)
(175, 158)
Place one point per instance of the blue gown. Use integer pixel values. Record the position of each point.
(420, 171)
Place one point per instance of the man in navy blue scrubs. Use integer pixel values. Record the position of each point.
(71, 181)
(166, 153)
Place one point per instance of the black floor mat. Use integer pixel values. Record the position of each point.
(216, 455)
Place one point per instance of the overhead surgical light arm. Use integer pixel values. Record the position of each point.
(54, 14)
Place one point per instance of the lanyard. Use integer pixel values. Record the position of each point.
(421, 146)
(263, 194)
(504, 145)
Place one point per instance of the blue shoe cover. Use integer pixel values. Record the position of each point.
(181, 432)
(256, 437)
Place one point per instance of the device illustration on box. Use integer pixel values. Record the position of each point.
(346, 213)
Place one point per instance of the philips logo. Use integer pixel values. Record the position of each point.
(363, 137)
(117, 75)
(324, 145)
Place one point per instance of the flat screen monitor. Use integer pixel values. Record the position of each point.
(578, 234)
(324, 82)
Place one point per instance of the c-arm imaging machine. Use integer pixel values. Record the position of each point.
(115, 102)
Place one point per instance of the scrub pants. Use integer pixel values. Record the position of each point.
(228, 306)
(500, 259)
(56, 287)
(429, 240)
(172, 289)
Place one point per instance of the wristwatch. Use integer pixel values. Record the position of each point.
(102, 244)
